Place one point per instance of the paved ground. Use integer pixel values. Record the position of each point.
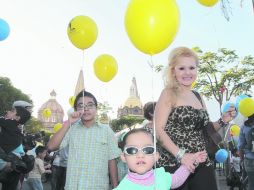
(221, 179)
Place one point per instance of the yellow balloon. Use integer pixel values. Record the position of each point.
(246, 107)
(46, 113)
(235, 130)
(152, 24)
(105, 67)
(208, 3)
(57, 127)
(193, 84)
(82, 32)
(72, 100)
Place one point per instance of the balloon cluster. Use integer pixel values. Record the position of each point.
(82, 32)
(243, 104)
(4, 29)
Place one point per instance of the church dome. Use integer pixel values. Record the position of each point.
(132, 102)
(57, 112)
(132, 105)
(52, 104)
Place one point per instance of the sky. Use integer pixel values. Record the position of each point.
(38, 57)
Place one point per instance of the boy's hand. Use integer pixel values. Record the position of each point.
(75, 116)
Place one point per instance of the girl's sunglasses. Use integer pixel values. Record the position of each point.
(132, 150)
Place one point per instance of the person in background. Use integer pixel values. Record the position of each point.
(33, 181)
(180, 120)
(246, 149)
(59, 169)
(92, 147)
(140, 156)
(11, 148)
(235, 161)
(148, 115)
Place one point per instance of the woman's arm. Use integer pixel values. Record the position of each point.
(225, 118)
(162, 111)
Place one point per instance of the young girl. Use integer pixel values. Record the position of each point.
(140, 156)
(34, 177)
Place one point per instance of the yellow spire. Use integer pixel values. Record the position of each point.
(80, 83)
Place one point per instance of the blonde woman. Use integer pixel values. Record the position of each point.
(180, 118)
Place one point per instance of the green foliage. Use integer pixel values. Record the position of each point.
(223, 74)
(9, 94)
(33, 126)
(126, 121)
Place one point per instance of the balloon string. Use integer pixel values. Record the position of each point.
(151, 64)
(226, 134)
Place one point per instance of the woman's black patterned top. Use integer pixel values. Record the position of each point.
(184, 127)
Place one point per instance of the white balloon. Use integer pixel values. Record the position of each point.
(70, 111)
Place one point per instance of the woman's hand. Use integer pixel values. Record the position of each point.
(229, 115)
(200, 157)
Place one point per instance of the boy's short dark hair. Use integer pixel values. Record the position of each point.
(40, 149)
(84, 93)
(23, 113)
(149, 110)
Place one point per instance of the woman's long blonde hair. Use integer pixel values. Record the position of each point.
(170, 81)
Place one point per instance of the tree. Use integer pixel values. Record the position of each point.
(9, 94)
(224, 74)
(103, 110)
(121, 123)
(33, 126)
(226, 7)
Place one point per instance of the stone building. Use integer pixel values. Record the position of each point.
(133, 105)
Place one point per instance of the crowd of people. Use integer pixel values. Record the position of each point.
(88, 156)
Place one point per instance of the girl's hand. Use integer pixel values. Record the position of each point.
(188, 160)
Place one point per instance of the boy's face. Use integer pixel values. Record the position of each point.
(140, 162)
(86, 105)
(12, 114)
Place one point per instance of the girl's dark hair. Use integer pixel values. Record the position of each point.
(133, 131)
(84, 93)
(149, 110)
(40, 149)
